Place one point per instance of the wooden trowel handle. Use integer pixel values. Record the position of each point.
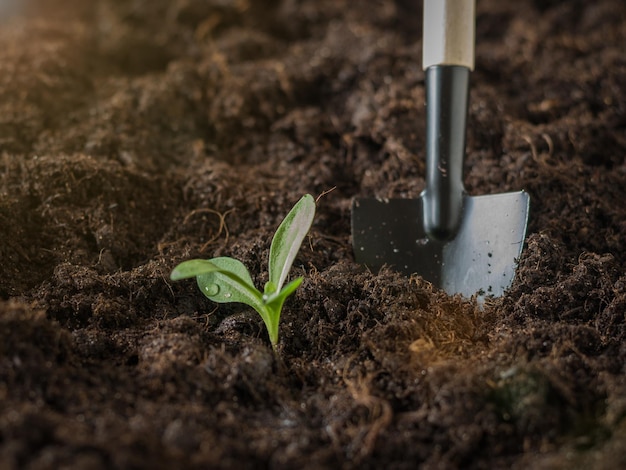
(448, 33)
(448, 58)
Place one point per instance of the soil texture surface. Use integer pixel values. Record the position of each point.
(136, 134)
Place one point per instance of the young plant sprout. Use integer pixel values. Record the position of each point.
(226, 279)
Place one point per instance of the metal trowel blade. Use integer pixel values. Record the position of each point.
(480, 259)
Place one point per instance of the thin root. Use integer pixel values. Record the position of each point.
(544, 158)
(222, 227)
(205, 317)
(380, 412)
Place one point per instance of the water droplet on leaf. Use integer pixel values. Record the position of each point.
(212, 289)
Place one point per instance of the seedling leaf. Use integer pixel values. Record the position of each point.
(288, 238)
(231, 282)
(275, 301)
(192, 268)
(233, 266)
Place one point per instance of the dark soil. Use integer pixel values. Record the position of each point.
(136, 134)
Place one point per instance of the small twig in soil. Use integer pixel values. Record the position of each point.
(324, 193)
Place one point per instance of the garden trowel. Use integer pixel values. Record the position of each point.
(461, 243)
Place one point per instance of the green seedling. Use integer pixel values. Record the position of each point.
(226, 279)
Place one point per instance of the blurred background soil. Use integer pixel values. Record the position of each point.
(135, 134)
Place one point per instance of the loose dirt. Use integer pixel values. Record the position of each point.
(138, 134)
